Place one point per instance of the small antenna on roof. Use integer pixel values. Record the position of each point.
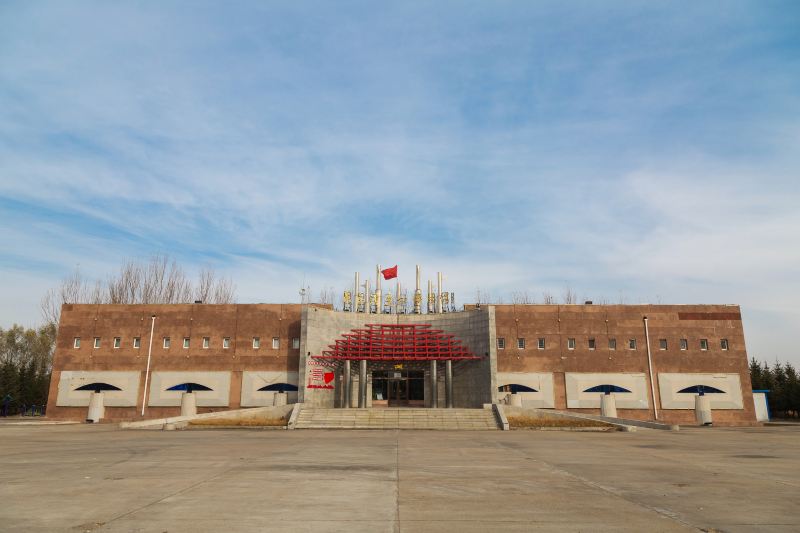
(304, 291)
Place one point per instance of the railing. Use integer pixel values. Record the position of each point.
(23, 410)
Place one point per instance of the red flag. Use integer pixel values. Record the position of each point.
(389, 273)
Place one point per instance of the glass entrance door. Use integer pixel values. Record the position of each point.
(398, 388)
(398, 392)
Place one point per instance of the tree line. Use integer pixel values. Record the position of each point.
(782, 381)
(26, 355)
(161, 280)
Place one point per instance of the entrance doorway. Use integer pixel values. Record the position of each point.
(398, 388)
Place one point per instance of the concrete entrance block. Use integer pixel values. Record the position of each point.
(702, 410)
(96, 408)
(281, 398)
(188, 404)
(514, 400)
(608, 405)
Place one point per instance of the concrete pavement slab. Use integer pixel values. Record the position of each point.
(98, 478)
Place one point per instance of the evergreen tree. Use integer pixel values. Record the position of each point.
(26, 357)
(783, 382)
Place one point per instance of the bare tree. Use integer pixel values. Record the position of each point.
(224, 292)
(483, 297)
(548, 298)
(569, 296)
(327, 296)
(161, 280)
(522, 298)
(73, 289)
(213, 290)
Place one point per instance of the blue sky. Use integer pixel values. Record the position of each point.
(634, 151)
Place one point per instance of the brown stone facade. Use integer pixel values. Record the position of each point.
(238, 322)
(559, 323)
(556, 324)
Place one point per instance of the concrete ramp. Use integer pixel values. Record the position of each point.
(396, 418)
(282, 411)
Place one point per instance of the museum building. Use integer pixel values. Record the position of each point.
(654, 359)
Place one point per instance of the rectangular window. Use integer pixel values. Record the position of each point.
(501, 343)
(612, 344)
(137, 342)
(592, 344)
(295, 343)
(206, 342)
(276, 343)
(631, 344)
(723, 344)
(521, 343)
(684, 344)
(226, 343)
(541, 343)
(97, 342)
(76, 342)
(186, 342)
(570, 344)
(704, 344)
(662, 344)
(256, 343)
(117, 342)
(166, 343)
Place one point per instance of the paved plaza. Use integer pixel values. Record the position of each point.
(99, 478)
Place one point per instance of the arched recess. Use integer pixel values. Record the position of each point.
(514, 388)
(279, 387)
(606, 389)
(701, 390)
(97, 387)
(189, 387)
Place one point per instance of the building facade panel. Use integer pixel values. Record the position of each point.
(259, 388)
(548, 343)
(585, 389)
(166, 388)
(541, 396)
(678, 391)
(75, 388)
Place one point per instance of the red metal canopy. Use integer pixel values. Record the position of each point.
(398, 342)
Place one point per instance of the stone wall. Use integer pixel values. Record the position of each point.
(240, 323)
(473, 381)
(556, 324)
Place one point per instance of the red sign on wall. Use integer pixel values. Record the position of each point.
(318, 378)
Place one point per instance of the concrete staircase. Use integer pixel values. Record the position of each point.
(396, 418)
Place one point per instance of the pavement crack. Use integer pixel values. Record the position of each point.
(397, 483)
(666, 513)
(170, 495)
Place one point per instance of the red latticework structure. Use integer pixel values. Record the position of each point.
(398, 342)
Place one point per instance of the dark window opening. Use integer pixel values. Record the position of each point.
(606, 389)
(515, 388)
(279, 387)
(189, 387)
(701, 390)
(97, 387)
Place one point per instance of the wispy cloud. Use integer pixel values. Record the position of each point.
(644, 152)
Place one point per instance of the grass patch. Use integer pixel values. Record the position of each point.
(533, 422)
(249, 421)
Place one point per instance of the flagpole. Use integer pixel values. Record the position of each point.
(366, 296)
(417, 296)
(438, 292)
(355, 295)
(378, 288)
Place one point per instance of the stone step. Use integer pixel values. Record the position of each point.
(396, 418)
